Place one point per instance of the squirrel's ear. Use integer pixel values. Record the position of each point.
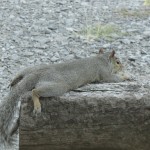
(101, 51)
(112, 54)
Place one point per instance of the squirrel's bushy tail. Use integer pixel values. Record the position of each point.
(9, 115)
(10, 109)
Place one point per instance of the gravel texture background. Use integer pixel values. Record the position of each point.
(34, 32)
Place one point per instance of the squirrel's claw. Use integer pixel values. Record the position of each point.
(37, 110)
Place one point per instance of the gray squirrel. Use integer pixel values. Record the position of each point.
(55, 80)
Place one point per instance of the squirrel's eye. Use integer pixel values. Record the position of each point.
(117, 62)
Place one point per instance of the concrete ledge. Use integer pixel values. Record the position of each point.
(95, 117)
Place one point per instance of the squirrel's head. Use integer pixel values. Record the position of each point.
(115, 62)
(117, 66)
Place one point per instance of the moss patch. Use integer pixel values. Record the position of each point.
(99, 30)
(147, 2)
(134, 13)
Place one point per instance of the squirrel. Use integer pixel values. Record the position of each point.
(55, 80)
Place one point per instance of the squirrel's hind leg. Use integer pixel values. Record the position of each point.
(47, 89)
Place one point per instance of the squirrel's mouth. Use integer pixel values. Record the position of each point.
(125, 76)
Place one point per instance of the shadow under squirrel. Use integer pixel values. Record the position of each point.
(55, 80)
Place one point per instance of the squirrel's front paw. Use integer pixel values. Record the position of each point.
(37, 109)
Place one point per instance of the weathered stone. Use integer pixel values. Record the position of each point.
(104, 116)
